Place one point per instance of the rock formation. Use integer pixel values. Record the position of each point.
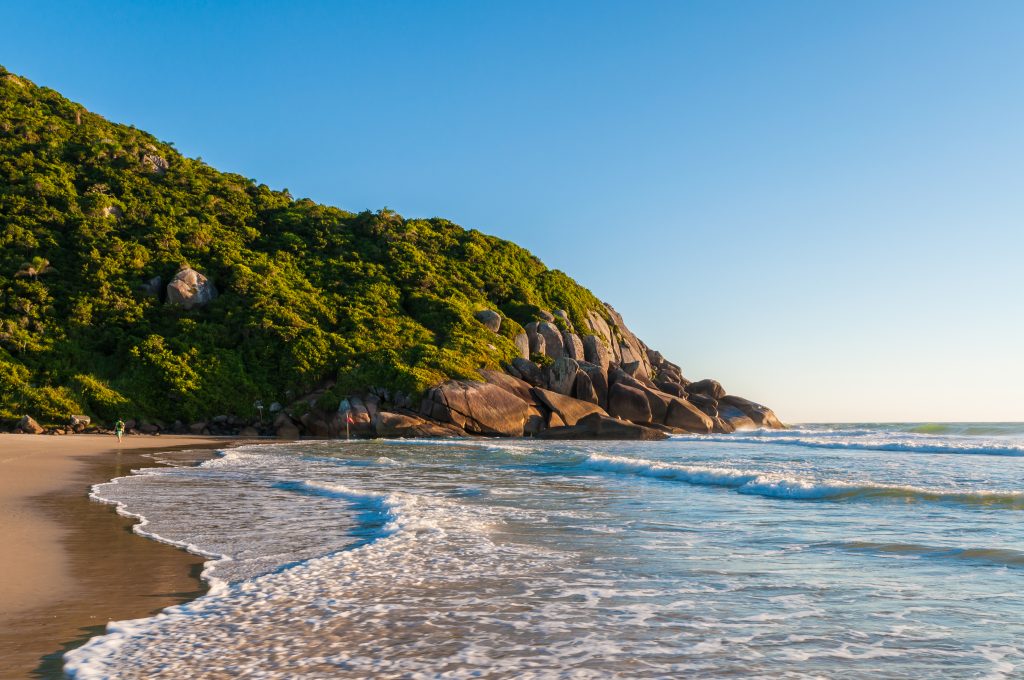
(190, 289)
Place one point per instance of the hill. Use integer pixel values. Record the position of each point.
(135, 281)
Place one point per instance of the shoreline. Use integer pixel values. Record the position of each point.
(74, 564)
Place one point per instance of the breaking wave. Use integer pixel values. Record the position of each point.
(781, 485)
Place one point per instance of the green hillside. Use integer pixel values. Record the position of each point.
(91, 210)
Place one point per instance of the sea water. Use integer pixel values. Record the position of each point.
(821, 551)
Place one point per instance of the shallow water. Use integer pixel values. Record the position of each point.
(824, 551)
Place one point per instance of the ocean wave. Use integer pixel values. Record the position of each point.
(848, 440)
(141, 527)
(996, 556)
(795, 487)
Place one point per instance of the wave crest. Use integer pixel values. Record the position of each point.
(795, 487)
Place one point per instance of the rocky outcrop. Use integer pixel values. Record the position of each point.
(707, 387)
(553, 343)
(490, 319)
(524, 369)
(685, 416)
(605, 385)
(568, 410)
(477, 408)
(28, 425)
(596, 352)
(629, 403)
(155, 164)
(573, 346)
(405, 425)
(190, 289)
(737, 419)
(762, 416)
(562, 376)
(598, 382)
(597, 426)
(535, 339)
(522, 342)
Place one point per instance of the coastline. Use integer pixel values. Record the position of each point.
(72, 564)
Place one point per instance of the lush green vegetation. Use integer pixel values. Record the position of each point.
(91, 210)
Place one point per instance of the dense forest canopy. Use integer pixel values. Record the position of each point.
(92, 211)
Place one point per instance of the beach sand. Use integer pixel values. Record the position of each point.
(70, 564)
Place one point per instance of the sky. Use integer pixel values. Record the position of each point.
(819, 204)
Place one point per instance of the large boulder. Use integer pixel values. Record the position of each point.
(736, 418)
(708, 387)
(477, 407)
(529, 371)
(704, 403)
(315, 425)
(567, 409)
(553, 343)
(190, 289)
(597, 426)
(721, 426)
(628, 403)
(573, 346)
(675, 389)
(522, 341)
(519, 388)
(598, 380)
(686, 416)
(584, 388)
(490, 319)
(536, 340)
(596, 351)
(761, 415)
(288, 430)
(562, 375)
(398, 425)
(29, 425)
(599, 327)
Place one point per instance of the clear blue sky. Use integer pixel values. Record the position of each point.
(821, 204)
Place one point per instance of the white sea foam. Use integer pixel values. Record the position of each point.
(471, 559)
(872, 440)
(784, 485)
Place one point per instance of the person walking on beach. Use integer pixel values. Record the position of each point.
(119, 429)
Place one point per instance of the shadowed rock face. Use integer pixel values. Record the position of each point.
(596, 426)
(628, 403)
(399, 425)
(568, 410)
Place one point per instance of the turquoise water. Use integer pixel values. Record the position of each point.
(843, 551)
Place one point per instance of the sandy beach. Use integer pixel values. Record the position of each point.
(70, 564)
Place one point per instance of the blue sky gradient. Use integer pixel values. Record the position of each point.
(821, 204)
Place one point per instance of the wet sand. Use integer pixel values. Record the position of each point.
(71, 564)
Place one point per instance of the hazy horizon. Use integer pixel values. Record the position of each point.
(817, 204)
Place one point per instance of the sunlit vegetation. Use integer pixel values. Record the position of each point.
(90, 211)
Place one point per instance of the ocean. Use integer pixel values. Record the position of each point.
(823, 551)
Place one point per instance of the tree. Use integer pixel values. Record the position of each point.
(35, 268)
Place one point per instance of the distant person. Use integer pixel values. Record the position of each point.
(119, 429)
